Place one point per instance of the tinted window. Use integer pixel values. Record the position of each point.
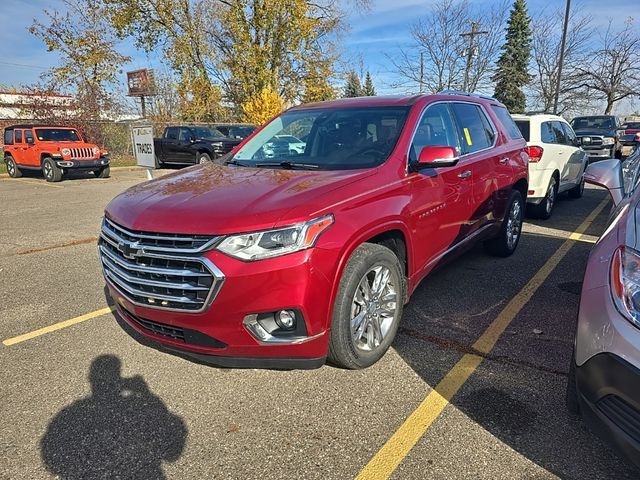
(185, 134)
(523, 126)
(205, 133)
(18, 136)
(471, 127)
(507, 122)
(172, 133)
(558, 131)
(436, 128)
(569, 134)
(632, 125)
(335, 138)
(547, 134)
(8, 137)
(28, 136)
(57, 135)
(592, 122)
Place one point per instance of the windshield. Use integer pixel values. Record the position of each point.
(204, 133)
(331, 138)
(57, 135)
(592, 122)
(632, 125)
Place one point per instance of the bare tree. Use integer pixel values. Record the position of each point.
(436, 59)
(614, 69)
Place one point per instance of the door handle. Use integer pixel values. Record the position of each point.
(465, 174)
(504, 161)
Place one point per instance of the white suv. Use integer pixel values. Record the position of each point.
(556, 161)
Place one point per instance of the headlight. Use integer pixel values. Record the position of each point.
(273, 243)
(608, 141)
(95, 151)
(625, 283)
(65, 151)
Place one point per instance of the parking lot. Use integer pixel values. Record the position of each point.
(476, 377)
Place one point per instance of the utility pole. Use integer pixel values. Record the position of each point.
(561, 60)
(470, 49)
(421, 83)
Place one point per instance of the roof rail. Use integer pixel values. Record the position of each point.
(466, 94)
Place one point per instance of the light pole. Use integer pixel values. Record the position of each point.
(561, 60)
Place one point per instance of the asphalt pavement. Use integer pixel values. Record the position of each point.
(89, 401)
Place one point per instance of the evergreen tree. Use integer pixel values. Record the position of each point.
(352, 88)
(368, 90)
(512, 68)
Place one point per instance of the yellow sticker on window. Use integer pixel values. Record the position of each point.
(468, 136)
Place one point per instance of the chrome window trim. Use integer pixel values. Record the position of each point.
(449, 102)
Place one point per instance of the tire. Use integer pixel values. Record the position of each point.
(364, 347)
(158, 162)
(12, 168)
(104, 172)
(203, 158)
(506, 242)
(544, 209)
(571, 399)
(51, 172)
(578, 190)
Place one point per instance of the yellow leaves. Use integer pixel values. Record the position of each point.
(199, 99)
(259, 108)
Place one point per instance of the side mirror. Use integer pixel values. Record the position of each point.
(607, 174)
(577, 141)
(192, 138)
(433, 157)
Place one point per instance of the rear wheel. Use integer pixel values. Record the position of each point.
(505, 243)
(368, 307)
(104, 172)
(12, 168)
(203, 158)
(545, 207)
(51, 172)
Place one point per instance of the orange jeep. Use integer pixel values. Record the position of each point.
(53, 150)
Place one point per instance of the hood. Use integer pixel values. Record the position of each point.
(212, 199)
(594, 131)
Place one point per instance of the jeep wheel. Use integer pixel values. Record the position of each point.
(51, 172)
(505, 243)
(203, 158)
(368, 307)
(12, 168)
(545, 207)
(102, 173)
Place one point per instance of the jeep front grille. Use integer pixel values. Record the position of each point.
(82, 153)
(159, 270)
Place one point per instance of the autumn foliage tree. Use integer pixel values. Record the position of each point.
(260, 107)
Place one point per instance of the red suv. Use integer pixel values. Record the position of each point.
(287, 261)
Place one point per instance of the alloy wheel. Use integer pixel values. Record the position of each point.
(374, 308)
(48, 171)
(551, 195)
(11, 168)
(514, 223)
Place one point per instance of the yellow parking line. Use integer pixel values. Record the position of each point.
(387, 459)
(57, 326)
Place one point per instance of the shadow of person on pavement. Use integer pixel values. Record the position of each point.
(122, 430)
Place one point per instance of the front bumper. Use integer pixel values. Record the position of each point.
(81, 164)
(609, 396)
(218, 335)
(600, 153)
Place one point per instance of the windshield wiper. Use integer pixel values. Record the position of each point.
(287, 164)
(236, 162)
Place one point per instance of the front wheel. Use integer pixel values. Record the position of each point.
(203, 158)
(505, 243)
(368, 307)
(12, 168)
(51, 172)
(104, 172)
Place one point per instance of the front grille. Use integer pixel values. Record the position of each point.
(594, 141)
(174, 333)
(622, 414)
(82, 153)
(159, 270)
(222, 148)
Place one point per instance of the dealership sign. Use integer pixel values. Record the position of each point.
(143, 146)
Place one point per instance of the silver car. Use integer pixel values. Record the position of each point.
(604, 379)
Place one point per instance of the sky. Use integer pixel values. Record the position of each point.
(371, 38)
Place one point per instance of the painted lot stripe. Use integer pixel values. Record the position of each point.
(387, 459)
(42, 183)
(56, 326)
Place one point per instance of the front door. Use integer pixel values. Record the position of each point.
(31, 152)
(441, 198)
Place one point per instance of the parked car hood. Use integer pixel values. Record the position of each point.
(215, 199)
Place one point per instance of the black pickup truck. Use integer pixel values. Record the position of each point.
(599, 135)
(191, 144)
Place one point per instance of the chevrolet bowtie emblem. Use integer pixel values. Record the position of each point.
(129, 250)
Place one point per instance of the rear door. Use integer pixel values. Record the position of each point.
(441, 198)
(170, 147)
(19, 147)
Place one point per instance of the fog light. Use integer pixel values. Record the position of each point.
(286, 319)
